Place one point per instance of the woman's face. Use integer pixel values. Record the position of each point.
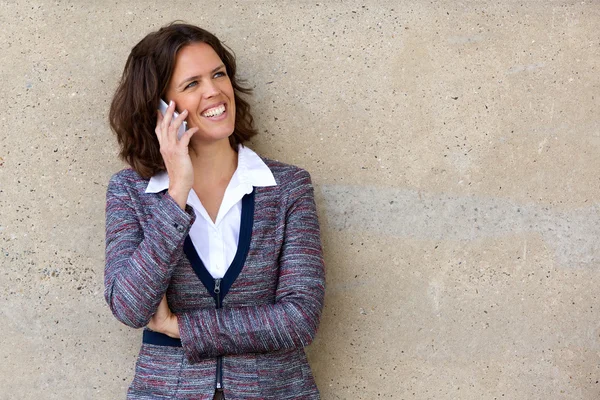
(200, 85)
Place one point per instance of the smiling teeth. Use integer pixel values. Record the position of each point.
(214, 112)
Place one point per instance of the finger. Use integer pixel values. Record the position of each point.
(174, 127)
(185, 138)
(158, 129)
(163, 303)
(179, 120)
(168, 117)
(162, 308)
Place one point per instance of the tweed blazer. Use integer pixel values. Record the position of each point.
(270, 304)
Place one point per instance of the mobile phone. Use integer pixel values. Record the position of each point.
(162, 106)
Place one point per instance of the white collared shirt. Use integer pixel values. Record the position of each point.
(216, 242)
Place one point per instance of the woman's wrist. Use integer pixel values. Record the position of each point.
(179, 195)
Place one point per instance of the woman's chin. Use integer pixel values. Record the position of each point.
(214, 137)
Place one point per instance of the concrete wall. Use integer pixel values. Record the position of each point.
(455, 150)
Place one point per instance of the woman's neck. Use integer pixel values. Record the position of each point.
(214, 163)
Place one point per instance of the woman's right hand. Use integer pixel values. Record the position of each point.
(175, 153)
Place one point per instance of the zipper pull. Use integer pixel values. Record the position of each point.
(217, 286)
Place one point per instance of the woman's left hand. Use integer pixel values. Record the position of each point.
(164, 321)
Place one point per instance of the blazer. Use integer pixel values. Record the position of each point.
(245, 332)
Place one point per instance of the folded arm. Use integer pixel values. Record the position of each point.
(292, 320)
(139, 263)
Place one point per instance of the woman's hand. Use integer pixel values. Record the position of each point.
(164, 321)
(175, 153)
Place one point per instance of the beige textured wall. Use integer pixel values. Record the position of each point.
(455, 150)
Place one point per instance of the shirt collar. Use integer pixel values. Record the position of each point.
(251, 170)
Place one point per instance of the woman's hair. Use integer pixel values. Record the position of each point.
(145, 79)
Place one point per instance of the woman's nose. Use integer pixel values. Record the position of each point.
(210, 89)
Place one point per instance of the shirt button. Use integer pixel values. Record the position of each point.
(179, 228)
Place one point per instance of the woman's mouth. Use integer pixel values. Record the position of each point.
(214, 112)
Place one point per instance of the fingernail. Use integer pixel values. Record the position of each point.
(170, 103)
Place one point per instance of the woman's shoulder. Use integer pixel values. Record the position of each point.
(287, 174)
(127, 180)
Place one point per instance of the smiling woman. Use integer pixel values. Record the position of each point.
(201, 86)
(147, 77)
(211, 248)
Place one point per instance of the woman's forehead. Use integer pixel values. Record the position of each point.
(197, 58)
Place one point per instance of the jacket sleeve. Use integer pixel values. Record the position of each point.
(140, 262)
(292, 320)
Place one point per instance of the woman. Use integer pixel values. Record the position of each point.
(213, 249)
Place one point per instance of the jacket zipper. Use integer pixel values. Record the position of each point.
(219, 377)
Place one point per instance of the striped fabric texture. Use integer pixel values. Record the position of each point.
(270, 313)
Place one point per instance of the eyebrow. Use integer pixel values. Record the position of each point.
(196, 77)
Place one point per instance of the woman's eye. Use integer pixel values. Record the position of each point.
(220, 74)
(191, 84)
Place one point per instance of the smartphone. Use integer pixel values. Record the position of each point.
(162, 106)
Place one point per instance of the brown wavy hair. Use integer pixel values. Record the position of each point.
(145, 79)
